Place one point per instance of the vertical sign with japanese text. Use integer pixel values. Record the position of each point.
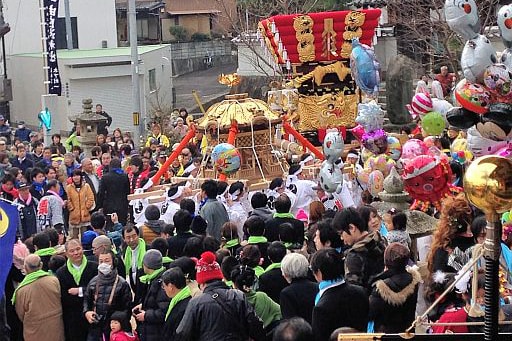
(51, 9)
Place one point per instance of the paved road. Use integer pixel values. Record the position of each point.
(205, 82)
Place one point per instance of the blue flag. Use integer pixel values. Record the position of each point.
(9, 220)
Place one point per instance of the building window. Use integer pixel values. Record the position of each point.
(152, 80)
(177, 21)
(61, 39)
(142, 28)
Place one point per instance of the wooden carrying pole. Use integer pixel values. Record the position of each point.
(302, 140)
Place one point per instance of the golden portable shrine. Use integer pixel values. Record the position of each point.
(313, 50)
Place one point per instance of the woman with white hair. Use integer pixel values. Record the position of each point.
(297, 299)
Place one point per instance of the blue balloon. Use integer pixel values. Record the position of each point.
(365, 68)
(45, 118)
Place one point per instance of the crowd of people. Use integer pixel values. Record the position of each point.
(291, 262)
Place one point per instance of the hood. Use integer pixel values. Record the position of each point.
(395, 290)
(262, 212)
(155, 225)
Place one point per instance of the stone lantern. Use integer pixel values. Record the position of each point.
(87, 125)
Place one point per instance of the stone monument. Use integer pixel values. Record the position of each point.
(399, 90)
(87, 126)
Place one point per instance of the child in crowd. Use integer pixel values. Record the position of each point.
(121, 329)
(396, 224)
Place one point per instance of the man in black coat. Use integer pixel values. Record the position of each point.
(73, 278)
(338, 304)
(114, 190)
(282, 205)
(272, 281)
(102, 126)
(21, 160)
(298, 298)
(175, 286)
(182, 221)
(150, 312)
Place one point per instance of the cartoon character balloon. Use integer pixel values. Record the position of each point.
(376, 141)
(505, 24)
(394, 148)
(365, 68)
(462, 17)
(370, 116)
(433, 124)
(473, 97)
(375, 183)
(481, 146)
(226, 158)
(428, 181)
(331, 176)
(382, 163)
(497, 80)
(477, 55)
(333, 146)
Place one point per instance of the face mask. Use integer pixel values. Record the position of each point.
(20, 126)
(104, 268)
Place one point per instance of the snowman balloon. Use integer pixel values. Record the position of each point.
(331, 172)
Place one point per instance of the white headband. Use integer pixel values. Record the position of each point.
(235, 195)
(178, 193)
(298, 171)
(190, 168)
(352, 155)
(306, 160)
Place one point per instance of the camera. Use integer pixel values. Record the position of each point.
(98, 318)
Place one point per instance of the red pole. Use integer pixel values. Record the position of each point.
(156, 178)
(233, 130)
(302, 140)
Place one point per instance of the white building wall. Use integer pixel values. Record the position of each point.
(96, 21)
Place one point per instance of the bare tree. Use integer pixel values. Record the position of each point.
(423, 34)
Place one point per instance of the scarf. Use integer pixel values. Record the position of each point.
(257, 240)
(28, 201)
(183, 294)
(55, 194)
(77, 273)
(273, 266)
(283, 215)
(258, 271)
(49, 251)
(117, 170)
(232, 243)
(38, 186)
(324, 285)
(146, 279)
(140, 256)
(167, 260)
(13, 191)
(30, 278)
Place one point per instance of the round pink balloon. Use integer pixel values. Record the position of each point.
(413, 148)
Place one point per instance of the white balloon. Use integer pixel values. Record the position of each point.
(331, 176)
(333, 146)
(462, 17)
(477, 55)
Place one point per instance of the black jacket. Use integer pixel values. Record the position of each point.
(102, 126)
(298, 299)
(23, 165)
(174, 319)
(28, 218)
(344, 305)
(393, 300)
(113, 195)
(272, 229)
(75, 324)
(155, 303)
(272, 283)
(177, 243)
(121, 300)
(220, 314)
(364, 260)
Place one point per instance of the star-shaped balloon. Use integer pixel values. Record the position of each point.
(370, 116)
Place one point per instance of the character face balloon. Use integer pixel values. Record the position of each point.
(376, 141)
(473, 97)
(497, 80)
(462, 17)
(413, 148)
(394, 148)
(477, 55)
(333, 146)
(426, 178)
(505, 23)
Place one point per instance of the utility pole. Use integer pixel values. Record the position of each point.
(5, 83)
(69, 29)
(132, 24)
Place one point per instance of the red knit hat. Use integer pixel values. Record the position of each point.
(207, 268)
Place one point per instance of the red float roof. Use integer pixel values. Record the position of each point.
(318, 30)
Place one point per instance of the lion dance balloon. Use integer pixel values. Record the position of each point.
(428, 181)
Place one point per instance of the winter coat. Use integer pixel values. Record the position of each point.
(121, 300)
(151, 230)
(80, 202)
(155, 303)
(215, 215)
(272, 283)
(393, 300)
(233, 319)
(75, 324)
(50, 211)
(343, 305)
(25, 164)
(39, 308)
(113, 195)
(174, 319)
(177, 243)
(263, 212)
(272, 229)
(124, 336)
(298, 299)
(364, 260)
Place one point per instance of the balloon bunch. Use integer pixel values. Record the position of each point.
(431, 112)
(485, 95)
(331, 172)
